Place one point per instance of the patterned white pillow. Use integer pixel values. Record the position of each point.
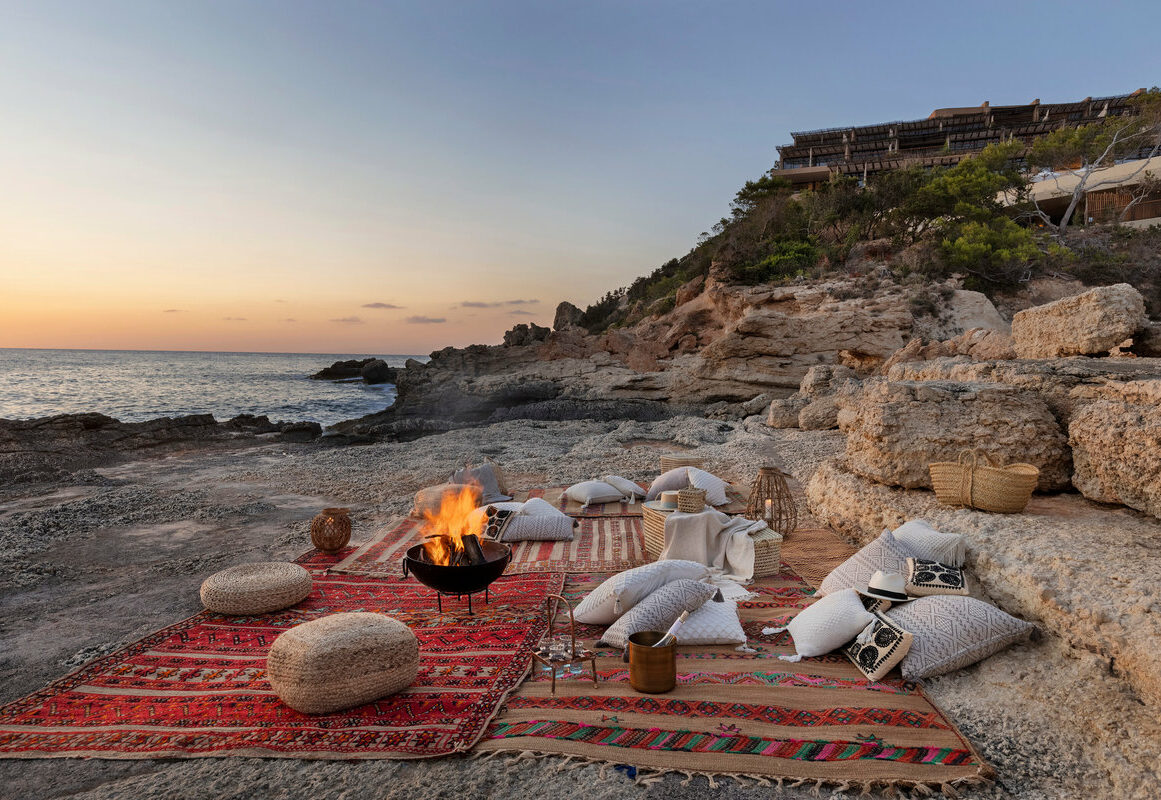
(952, 632)
(715, 487)
(713, 623)
(624, 590)
(923, 541)
(826, 624)
(659, 610)
(538, 529)
(880, 646)
(590, 492)
(627, 487)
(676, 478)
(539, 507)
(882, 554)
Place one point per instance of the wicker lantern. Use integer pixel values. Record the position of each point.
(331, 530)
(770, 500)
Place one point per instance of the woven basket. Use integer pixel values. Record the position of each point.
(674, 460)
(691, 501)
(653, 523)
(767, 553)
(989, 487)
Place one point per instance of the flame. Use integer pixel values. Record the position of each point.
(450, 524)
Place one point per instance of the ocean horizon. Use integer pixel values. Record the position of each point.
(137, 385)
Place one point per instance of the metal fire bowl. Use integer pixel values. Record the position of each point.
(459, 580)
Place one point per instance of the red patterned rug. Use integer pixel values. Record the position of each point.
(604, 544)
(198, 688)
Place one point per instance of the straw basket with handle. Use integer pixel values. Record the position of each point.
(988, 487)
(674, 460)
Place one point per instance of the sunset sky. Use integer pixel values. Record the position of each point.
(394, 178)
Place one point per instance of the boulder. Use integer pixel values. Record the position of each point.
(300, 432)
(524, 334)
(342, 370)
(377, 371)
(567, 316)
(824, 380)
(784, 413)
(819, 415)
(1090, 323)
(1115, 434)
(895, 429)
(690, 290)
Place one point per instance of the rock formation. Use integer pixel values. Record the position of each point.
(1090, 323)
(342, 370)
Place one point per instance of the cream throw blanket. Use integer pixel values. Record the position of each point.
(717, 540)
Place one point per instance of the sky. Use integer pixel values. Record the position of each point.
(398, 177)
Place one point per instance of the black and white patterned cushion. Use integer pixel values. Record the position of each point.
(875, 604)
(926, 578)
(880, 646)
(497, 520)
(659, 610)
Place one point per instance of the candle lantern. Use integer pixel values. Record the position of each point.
(331, 530)
(770, 501)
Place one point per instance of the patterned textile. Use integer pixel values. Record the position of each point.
(882, 554)
(624, 590)
(659, 610)
(713, 623)
(880, 647)
(735, 713)
(199, 688)
(930, 577)
(923, 541)
(715, 487)
(539, 529)
(599, 545)
(952, 632)
(496, 521)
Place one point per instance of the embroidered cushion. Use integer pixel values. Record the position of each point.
(952, 632)
(496, 521)
(676, 478)
(659, 610)
(624, 590)
(923, 541)
(590, 492)
(522, 528)
(875, 604)
(882, 554)
(483, 476)
(627, 487)
(880, 646)
(826, 625)
(713, 623)
(715, 487)
(930, 577)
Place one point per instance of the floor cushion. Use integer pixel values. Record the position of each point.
(622, 591)
(249, 589)
(715, 487)
(590, 492)
(930, 577)
(486, 478)
(882, 554)
(951, 632)
(522, 528)
(627, 487)
(923, 541)
(342, 660)
(659, 610)
(671, 481)
(880, 646)
(826, 625)
(715, 623)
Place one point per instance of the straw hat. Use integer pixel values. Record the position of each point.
(886, 586)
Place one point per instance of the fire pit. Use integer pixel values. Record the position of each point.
(453, 558)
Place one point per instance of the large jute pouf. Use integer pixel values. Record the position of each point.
(256, 588)
(342, 660)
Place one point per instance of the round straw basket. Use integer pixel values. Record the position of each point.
(674, 460)
(691, 501)
(988, 487)
(767, 553)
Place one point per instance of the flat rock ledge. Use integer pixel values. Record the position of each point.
(1086, 573)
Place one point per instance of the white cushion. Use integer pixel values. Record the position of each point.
(951, 632)
(659, 610)
(590, 492)
(523, 528)
(624, 590)
(715, 487)
(539, 507)
(676, 478)
(923, 541)
(713, 623)
(627, 487)
(826, 625)
(882, 554)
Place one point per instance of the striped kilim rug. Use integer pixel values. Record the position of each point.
(743, 714)
(198, 688)
(600, 544)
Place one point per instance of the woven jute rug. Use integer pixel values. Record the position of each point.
(556, 496)
(599, 544)
(746, 715)
(198, 688)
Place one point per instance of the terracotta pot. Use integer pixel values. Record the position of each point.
(331, 530)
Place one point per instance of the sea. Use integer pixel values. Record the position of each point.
(136, 385)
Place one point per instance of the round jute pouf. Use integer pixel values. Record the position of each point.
(342, 660)
(255, 588)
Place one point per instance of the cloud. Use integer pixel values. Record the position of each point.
(520, 313)
(348, 321)
(234, 319)
(173, 311)
(497, 304)
(425, 320)
(381, 305)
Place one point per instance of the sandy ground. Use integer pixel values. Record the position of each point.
(120, 552)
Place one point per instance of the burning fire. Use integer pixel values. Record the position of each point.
(444, 530)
